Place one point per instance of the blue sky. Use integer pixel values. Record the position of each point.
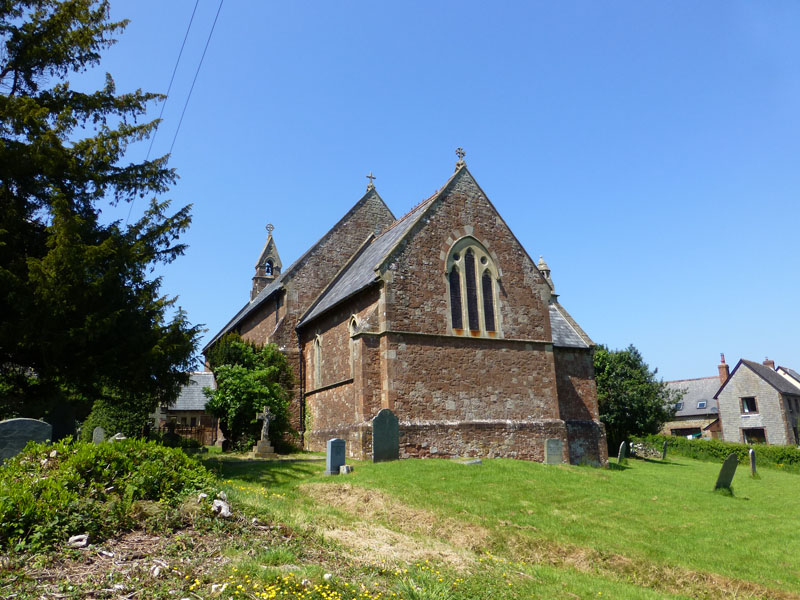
(648, 150)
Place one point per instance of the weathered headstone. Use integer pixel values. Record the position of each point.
(752, 463)
(622, 457)
(335, 458)
(98, 435)
(726, 473)
(553, 451)
(263, 448)
(15, 433)
(385, 436)
(118, 437)
(664, 452)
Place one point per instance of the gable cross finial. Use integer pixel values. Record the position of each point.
(270, 228)
(461, 154)
(370, 185)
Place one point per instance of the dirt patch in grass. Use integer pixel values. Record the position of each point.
(665, 578)
(374, 505)
(370, 543)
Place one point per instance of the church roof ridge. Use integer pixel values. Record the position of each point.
(362, 271)
(277, 283)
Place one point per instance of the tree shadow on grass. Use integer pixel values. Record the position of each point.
(658, 461)
(265, 472)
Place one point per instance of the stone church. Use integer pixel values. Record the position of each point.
(440, 316)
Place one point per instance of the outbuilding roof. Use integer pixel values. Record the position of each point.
(192, 396)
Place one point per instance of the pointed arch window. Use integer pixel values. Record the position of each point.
(472, 286)
(353, 329)
(317, 362)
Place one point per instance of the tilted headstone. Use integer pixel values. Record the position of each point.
(664, 452)
(752, 463)
(385, 436)
(726, 473)
(335, 458)
(15, 433)
(118, 437)
(623, 453)
(553, 451)
(98, 435)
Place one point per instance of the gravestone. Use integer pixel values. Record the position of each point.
(385, 436)
(15, 433)
(622, 457)
(335, 458)
(664, 452)
(263, 449)
(726, 473)
(98, 435)
(553, 451)
(752, 463)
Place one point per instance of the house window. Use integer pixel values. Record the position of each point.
(317, 362)
(754, 436)
(679, 406)
(701, 404)
(749, 405)
(471, 279)
(193, 421)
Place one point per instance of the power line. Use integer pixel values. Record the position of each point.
(164, 104)
(169, 88)
(208, 41)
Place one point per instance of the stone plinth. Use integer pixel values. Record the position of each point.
(263, 449)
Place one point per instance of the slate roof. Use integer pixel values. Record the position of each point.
(277, 284)
(564, 334)
(191, 396)
(775, 379)
(696, 390)
(360, 271)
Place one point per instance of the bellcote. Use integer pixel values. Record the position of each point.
(268, 266)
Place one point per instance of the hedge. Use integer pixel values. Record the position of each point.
(786, 458)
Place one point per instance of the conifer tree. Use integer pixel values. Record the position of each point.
(81, 318)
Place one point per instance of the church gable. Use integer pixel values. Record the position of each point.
(461, 271)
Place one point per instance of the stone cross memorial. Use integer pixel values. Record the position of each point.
(726, 473)
(553, 451)
(98, 435)
(622, 457)
(15, 433)
(335, 457)
(385, 436)
(752, 463)
(263, 449)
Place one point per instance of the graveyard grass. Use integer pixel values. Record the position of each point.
(440, 530)
(515, 529)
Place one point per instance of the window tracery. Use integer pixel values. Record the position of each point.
(472, 287)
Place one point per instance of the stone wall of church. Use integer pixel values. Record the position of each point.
(492, 439)
(465, 379)
(577, 391)
(417, 290)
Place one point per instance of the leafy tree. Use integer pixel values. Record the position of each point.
(631, 400)
(254, 378)
(81, 316)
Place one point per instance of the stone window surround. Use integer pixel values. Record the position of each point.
(742, 405)
(484, 262)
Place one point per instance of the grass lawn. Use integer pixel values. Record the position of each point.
(514, 529)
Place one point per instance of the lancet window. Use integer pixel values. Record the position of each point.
(472, 283)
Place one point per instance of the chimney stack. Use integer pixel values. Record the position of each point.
(724, 370)
(769, 363)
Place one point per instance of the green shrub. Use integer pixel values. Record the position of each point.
(782, 457)
(116, 417)
(51, 492)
